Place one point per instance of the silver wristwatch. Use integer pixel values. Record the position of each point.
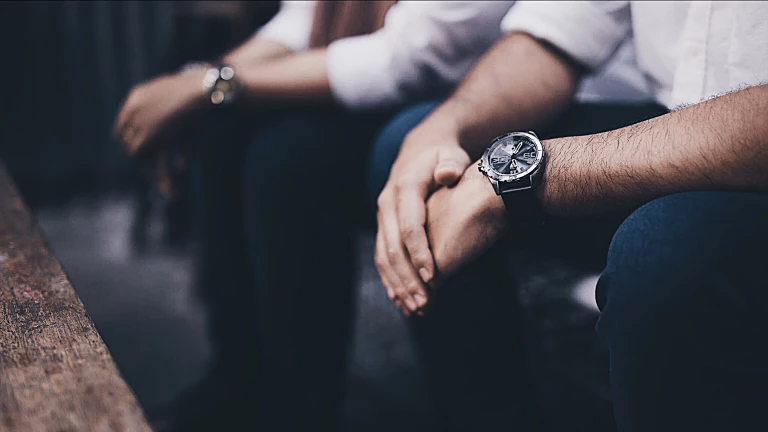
(514, 165)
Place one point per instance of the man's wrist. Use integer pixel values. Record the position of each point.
(452, 118)
(543, 192)
(491, 209)
(565, 180)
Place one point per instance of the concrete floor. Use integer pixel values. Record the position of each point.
(144, 308)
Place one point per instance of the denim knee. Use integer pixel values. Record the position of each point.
(682, 304)
(683, 247)
(663, 259)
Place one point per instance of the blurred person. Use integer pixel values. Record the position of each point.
(682, 295)
(284, 124)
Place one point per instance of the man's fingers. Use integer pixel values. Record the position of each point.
(382, 264)
(410, 289)
(451, 164)
(412, 215)
(448, 174)
(387, 275)
(384, 255)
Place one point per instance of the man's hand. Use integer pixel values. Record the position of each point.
(428, 159)
(155, 109)
(463, 222)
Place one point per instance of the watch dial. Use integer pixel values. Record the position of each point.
(513, 155)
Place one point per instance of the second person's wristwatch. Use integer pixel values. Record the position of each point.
(514, 165)
(220, 85)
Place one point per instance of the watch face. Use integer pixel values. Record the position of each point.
(514, 155)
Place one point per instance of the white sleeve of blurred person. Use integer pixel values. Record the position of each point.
(291, 25)
(424, 46)
(287, 32)
(595, 34)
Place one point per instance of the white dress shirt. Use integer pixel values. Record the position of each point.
(423, 46)
(688, 51)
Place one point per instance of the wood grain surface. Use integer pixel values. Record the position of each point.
(56, 374)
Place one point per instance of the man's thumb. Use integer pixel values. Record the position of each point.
(450, 166)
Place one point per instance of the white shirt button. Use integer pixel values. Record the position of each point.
(694, 50)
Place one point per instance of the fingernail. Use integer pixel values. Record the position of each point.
(411, 304)
(420, 300)
(425, 276)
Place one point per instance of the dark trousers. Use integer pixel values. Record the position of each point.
(684, 300)
(281, 197)
(277, 273)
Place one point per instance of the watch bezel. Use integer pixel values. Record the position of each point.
(487, 169)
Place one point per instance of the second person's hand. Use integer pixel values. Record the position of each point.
(153, 110)
(430, 157)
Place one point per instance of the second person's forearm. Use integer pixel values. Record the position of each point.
(299, 78)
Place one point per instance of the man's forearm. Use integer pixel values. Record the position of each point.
(718, 144)
(519, 84)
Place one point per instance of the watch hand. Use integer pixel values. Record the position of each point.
(517, 149)
(513, 164)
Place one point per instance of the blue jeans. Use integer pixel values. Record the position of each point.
(683, 301)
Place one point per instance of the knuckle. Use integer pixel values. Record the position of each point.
(404, 183)
(383, 199)
(407, 230)
(392, 253)
(379, 261)
(413, 287)
(421, 257)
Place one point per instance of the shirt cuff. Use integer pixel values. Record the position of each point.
(585, 31)
(357, 68)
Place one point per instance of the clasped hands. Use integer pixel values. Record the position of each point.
(436, 213)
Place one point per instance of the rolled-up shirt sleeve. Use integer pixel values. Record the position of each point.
(291, 25)
(423, 46)
(588, 31)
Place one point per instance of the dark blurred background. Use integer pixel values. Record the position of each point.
(66, 67)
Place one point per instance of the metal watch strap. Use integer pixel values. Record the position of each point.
(523, 207)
